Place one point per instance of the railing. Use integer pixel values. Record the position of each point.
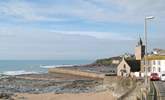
(153, 94)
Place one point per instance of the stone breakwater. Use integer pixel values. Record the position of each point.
(77, 72)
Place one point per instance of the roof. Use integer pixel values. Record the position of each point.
(156, 57)
(134, 64)
(140, 42)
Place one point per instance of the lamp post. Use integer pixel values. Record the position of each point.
(146, 63)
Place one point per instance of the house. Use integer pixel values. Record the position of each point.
(156, 63)
(158, 51)
(128, 67)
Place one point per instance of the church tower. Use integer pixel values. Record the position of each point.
(139, 50)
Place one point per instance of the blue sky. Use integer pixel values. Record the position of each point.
(77, 29)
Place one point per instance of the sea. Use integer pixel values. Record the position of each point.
(18, 67)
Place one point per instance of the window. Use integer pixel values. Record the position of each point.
(158, 62)
(153, 69)
(154, 62)
(124, 66)
(149, 69)
(159, 69)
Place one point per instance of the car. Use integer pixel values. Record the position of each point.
(154, 77)
(162, 77)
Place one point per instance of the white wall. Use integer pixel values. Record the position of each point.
(121, 67)
(163, 65)
(155, 65)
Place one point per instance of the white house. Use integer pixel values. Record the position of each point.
(156, 64)
(128, 67)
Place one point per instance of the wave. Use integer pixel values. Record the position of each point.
(19, 72)
(55, 66)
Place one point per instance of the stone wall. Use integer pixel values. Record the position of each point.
(121, 87)
(76, 72)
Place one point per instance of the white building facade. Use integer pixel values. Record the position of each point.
(157, 64)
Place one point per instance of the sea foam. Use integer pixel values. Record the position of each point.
(19, 72)
(55, 66)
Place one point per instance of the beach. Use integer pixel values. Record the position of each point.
(59, 86)
(46, 83)
(64, 86)
(78, 82)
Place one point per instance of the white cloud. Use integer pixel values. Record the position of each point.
(130, 10)
(98, 35)
(21, 10)
(88, 10)
(38, 44)
(46, 44)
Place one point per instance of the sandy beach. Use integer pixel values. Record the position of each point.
(66, 96)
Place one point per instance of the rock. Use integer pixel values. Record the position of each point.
(13, 84)
(6, 96)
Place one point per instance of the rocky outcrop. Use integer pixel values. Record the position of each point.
(14, 84)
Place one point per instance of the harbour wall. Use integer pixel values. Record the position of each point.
(76, 72)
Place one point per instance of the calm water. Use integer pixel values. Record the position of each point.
(15, 67)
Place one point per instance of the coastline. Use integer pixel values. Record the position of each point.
(56, 85)
(60, 86)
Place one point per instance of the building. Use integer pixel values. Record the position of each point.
(158, 51)
(128, 67)
(139, 50)
(156, 64)
(155, 61)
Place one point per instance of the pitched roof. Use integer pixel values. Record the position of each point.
(134, 64)
(140, 42)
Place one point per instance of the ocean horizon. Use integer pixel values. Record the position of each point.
(18, 67)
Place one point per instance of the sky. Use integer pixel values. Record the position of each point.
(77, 29)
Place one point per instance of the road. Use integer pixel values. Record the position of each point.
(161, 89)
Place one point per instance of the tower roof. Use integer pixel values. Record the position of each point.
(140, 41)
